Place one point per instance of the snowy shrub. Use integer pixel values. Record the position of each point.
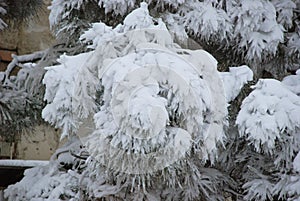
(63, 105)
(43, 183)
(69, 18)
(293, 45)
(117, 7)
(144, 124)
(296, 163)
(269, 121)
(288, 187)
(159, 110)
(13, 105)
(258, 189)
(256, 28)
(206, 20)
(269, 112)
(58, 8)
(285, 12)
(251, 31)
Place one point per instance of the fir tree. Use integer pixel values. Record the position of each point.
(201, 156)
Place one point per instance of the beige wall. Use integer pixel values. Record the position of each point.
(28, 37)
(38, 145)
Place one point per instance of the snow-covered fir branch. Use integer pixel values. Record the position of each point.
(159, 111)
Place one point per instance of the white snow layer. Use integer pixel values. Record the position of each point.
(293, 82)
(267, 112)
(22, 163)
(234, 80)
(2, 12)
(63, 92)
(296, 162)
(257, 27)
(41, 184)
(145, 79)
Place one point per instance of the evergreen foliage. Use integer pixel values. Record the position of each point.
(121, 67)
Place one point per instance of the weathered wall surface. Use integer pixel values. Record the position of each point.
(36, 35)
(38, 145)
(30, 36)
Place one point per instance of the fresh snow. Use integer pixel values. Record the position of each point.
(296, 163)
(143, 122)
(234, 80)
(157, 106)
(139, 18)
(2, 12)
(293, 82)
(22, 163)
(269, 111)
(64, 99)
(130, 79)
